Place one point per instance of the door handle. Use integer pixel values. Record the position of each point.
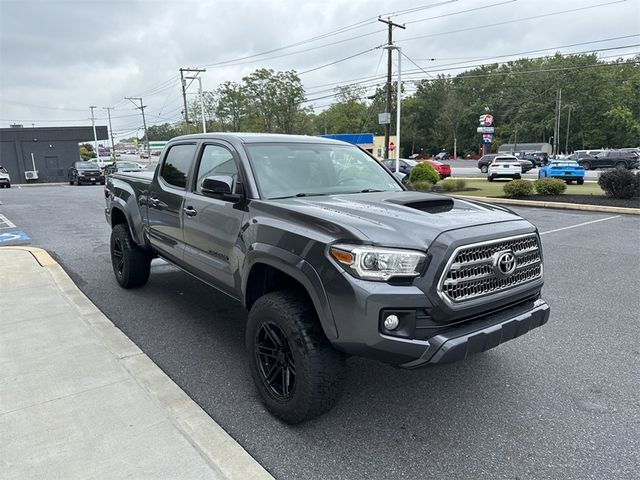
(190, 211)
(154, 201)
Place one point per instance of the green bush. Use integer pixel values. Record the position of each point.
(423, 172)
(449, 186)
(549, 186)
(619, 183)
(453, 185)
(422, 186)
(518, 188)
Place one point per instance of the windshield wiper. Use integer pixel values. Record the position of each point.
(371, 190)
(301, 194)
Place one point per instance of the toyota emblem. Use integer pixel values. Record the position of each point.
(504, 263)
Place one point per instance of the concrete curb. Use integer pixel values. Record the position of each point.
(557, 205)
(50, 184)
(223, 454)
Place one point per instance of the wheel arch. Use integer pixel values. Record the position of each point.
(270, 268)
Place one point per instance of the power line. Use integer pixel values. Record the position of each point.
(338, 61)
(478, 27)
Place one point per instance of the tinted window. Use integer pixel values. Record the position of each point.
(176, 165)
(216, 161)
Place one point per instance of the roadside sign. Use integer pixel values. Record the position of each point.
(486, 129)
(384, 118)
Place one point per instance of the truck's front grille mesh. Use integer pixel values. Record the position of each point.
(474, 271)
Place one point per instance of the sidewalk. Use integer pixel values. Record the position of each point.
(79, 400)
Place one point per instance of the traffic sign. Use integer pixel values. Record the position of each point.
(486, 129)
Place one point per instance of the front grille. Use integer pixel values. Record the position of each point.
(473, 272)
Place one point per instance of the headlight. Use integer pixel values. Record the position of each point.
(373, 263)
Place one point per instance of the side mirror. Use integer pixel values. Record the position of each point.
(220, 186)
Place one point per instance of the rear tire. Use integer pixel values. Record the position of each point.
(131, 264)
(621, 166)
(297, 372)
(580, 182)
(586, 165)
(490, 178)
(517, 177)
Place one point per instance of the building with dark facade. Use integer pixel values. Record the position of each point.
(49, 151)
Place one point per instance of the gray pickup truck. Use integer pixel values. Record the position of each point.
(331, 255)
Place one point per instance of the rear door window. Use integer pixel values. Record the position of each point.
(176, 165)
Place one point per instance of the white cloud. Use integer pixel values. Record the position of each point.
(58, 57)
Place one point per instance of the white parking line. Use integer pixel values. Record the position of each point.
(5, 223)
(580, 224)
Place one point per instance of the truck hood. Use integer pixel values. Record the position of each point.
(405, 218)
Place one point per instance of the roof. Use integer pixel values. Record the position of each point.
(261, 138)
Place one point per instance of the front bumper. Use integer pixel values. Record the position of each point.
(481, 335)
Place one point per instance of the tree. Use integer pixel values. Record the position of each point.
(232, 106)
(349, 113)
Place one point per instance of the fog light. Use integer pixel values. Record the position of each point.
(391, 322)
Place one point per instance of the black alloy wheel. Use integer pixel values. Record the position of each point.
(131, 264)
(275, 361)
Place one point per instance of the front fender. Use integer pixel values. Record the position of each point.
(297, 268)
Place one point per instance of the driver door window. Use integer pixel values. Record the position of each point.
(216, 161)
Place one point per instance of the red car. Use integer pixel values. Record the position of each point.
(443, 169)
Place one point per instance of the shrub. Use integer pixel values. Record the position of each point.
(460, 184)
(549, 186)
(518, 188)
(619, 183)
(422, 186)
(449, 185)
(423, 172)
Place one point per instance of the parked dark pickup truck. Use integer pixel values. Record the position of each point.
(330, 255)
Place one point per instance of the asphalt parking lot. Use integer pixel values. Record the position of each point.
(560, 402)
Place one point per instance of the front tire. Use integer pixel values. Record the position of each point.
(484, 169)
(131, 264)
(490, 178)
(580, 182)
(517, 177)
(297, 372)
(586, 165)
(621, 166)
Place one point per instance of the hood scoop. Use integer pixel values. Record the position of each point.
(425, 202)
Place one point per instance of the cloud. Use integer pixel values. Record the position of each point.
(59, 57)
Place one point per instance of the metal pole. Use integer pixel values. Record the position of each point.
(566, 145)
(113, 147)
(204, 126)
(559, 113)
(95, 136)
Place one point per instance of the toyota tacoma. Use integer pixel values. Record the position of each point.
(331, 255)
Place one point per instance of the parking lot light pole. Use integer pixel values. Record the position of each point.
(95, 136)
(204, 125)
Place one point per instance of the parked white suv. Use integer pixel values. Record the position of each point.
(504, 166)
(5, 179)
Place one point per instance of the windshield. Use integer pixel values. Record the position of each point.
(286, 170)
(85, 166)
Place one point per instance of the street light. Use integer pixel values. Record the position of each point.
(204, 126)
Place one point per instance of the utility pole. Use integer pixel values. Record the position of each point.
(144, 121)
(113, 147)
(387, 126)
(183, 82)
(95, 136)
